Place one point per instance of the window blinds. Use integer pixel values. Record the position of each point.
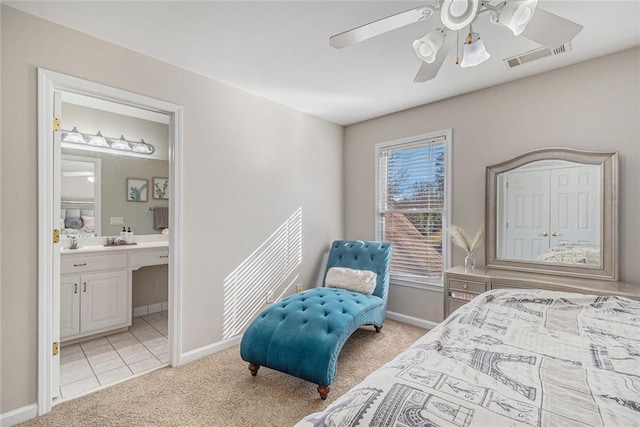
(411, 207)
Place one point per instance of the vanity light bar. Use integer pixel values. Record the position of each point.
(121, 144)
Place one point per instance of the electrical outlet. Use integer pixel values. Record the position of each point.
(116, 220)
(269, 298)
(299, 287)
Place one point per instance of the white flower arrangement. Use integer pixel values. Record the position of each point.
(461, 239)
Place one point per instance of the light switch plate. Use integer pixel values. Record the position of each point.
(117, 220)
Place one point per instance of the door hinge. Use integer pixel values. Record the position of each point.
(56, 235)
(54, 348)
(56, 124)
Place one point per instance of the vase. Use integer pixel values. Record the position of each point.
(469, 261)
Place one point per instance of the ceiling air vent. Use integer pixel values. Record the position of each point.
(535, 54)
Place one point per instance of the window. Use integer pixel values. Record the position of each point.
(412, 206)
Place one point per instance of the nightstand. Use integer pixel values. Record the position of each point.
(461, 286)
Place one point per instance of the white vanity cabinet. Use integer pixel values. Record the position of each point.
(96, 286)
(69, 306)
(149, 257)
(95, 294)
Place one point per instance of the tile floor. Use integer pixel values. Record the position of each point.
(101, 361)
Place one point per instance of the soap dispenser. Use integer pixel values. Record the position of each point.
(129, 236)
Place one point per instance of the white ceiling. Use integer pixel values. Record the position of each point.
(280, 50)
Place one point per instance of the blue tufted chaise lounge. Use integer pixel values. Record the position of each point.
(303, 334)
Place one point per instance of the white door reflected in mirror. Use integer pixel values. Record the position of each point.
(549, 211)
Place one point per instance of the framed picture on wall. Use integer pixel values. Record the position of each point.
(160, 188)
(137, 190)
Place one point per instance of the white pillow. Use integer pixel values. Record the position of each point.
(363, 281)
(88, 222)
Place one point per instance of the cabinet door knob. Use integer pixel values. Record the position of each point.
(465, 286)
(85, 287)
(164, 256)
(80, 265)
(75, 288)
(556, 234)
(543, 234)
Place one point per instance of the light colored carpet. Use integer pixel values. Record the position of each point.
(218, 390)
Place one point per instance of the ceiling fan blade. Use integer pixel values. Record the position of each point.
(380, 26)
(550, 30)
(429, 71)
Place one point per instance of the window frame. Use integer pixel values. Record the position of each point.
(406, 143)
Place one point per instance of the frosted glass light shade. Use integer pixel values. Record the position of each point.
(143, 147)
(74, 136)
(427, 47)
(98, 141)
(474, 53)
(120, 144)
(516, 14)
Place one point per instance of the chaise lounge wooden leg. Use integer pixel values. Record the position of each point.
(378, 328)
(323, 391)
(254, 369)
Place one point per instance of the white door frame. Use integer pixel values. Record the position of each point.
(48, 82)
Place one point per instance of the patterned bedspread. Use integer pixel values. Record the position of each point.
(509, 358)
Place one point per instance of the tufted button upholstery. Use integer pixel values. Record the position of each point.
(362, 255)
(303, 334)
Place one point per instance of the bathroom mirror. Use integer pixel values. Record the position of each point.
(94, 185)
(553, 211)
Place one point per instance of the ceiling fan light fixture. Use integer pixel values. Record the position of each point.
(428, 46)
(457, 14)
(516, 14)
(474, 52)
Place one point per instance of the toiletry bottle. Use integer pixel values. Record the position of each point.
(129, 235)
(122, 233)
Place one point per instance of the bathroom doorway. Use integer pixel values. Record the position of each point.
(82, 123)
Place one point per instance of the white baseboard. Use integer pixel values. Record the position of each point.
(198, 353)
(415, 321)
(19, 415)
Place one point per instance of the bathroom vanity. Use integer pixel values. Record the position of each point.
(96, 286)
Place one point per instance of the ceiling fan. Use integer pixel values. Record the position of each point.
(522, 17)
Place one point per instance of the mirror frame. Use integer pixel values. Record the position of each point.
(608, 162)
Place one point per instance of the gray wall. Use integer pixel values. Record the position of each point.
(248, 165)
(593, 105)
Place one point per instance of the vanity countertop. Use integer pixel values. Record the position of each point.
(83, 249)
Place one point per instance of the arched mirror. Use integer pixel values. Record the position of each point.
(554, 211)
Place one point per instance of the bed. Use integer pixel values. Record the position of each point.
(510, 357)
(78, 222)
(573, 253)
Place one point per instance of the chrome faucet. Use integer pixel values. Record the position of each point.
(74, 242)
